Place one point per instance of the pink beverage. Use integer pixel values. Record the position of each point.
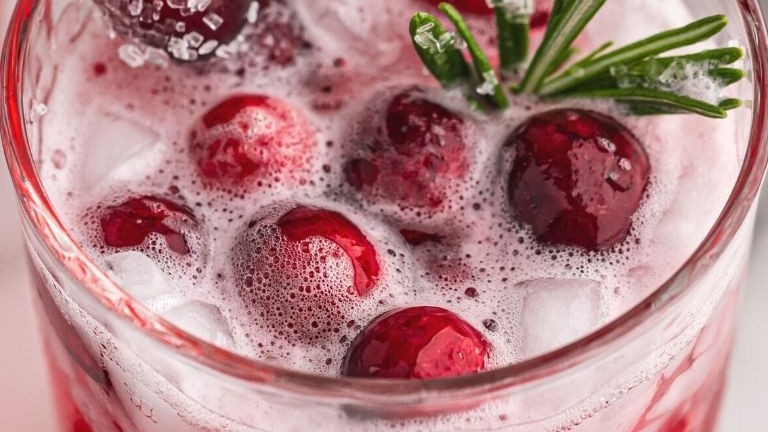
(280, 222)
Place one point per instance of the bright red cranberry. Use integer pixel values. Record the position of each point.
(129, 224)
(577, 178)
(251, 139)
(303, 223)
(416, 343)
(187, 30)
(413, 156)
(303, 270)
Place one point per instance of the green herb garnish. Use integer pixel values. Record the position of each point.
(489, 81)
(514, 28)
(635, 75)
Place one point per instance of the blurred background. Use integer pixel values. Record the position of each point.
(25, 404)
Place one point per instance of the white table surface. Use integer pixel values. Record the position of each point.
(25, 402)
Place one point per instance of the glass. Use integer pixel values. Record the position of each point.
(118, 367)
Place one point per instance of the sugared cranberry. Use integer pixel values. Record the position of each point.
(577, 178)
(480, 7)
(187, 30)
(129, 224)
(412, 156)
(251, 139)
(416, 343)
(302, 269)
(303, 223)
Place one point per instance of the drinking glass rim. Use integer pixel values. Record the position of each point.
(57, 239)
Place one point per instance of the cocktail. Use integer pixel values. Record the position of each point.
(402, 215)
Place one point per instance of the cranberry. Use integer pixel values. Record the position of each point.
(413, 156)
(187, 30)
(129, 224)
(302, 223)
(577, 178)
(416, 343)
(251, 139)
(301, 269)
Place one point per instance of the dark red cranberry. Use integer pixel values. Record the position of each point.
(413, 156)
(577, 178)
(302, 270)
(129, 224)
(251, 139)
(416, 343)
(303, 223)
(187, 33)
(418, 238)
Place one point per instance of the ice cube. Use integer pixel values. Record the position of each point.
(557, 312)
(203, 320)
(139, 275)
(115, 148)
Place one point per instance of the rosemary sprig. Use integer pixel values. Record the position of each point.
(591, 56)
(489, 81)
(570, 18)
(513, 33)
(653, 69)
(635, 75)
(564, 58)
(657, 44)
(646, 96)
(437, 50)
